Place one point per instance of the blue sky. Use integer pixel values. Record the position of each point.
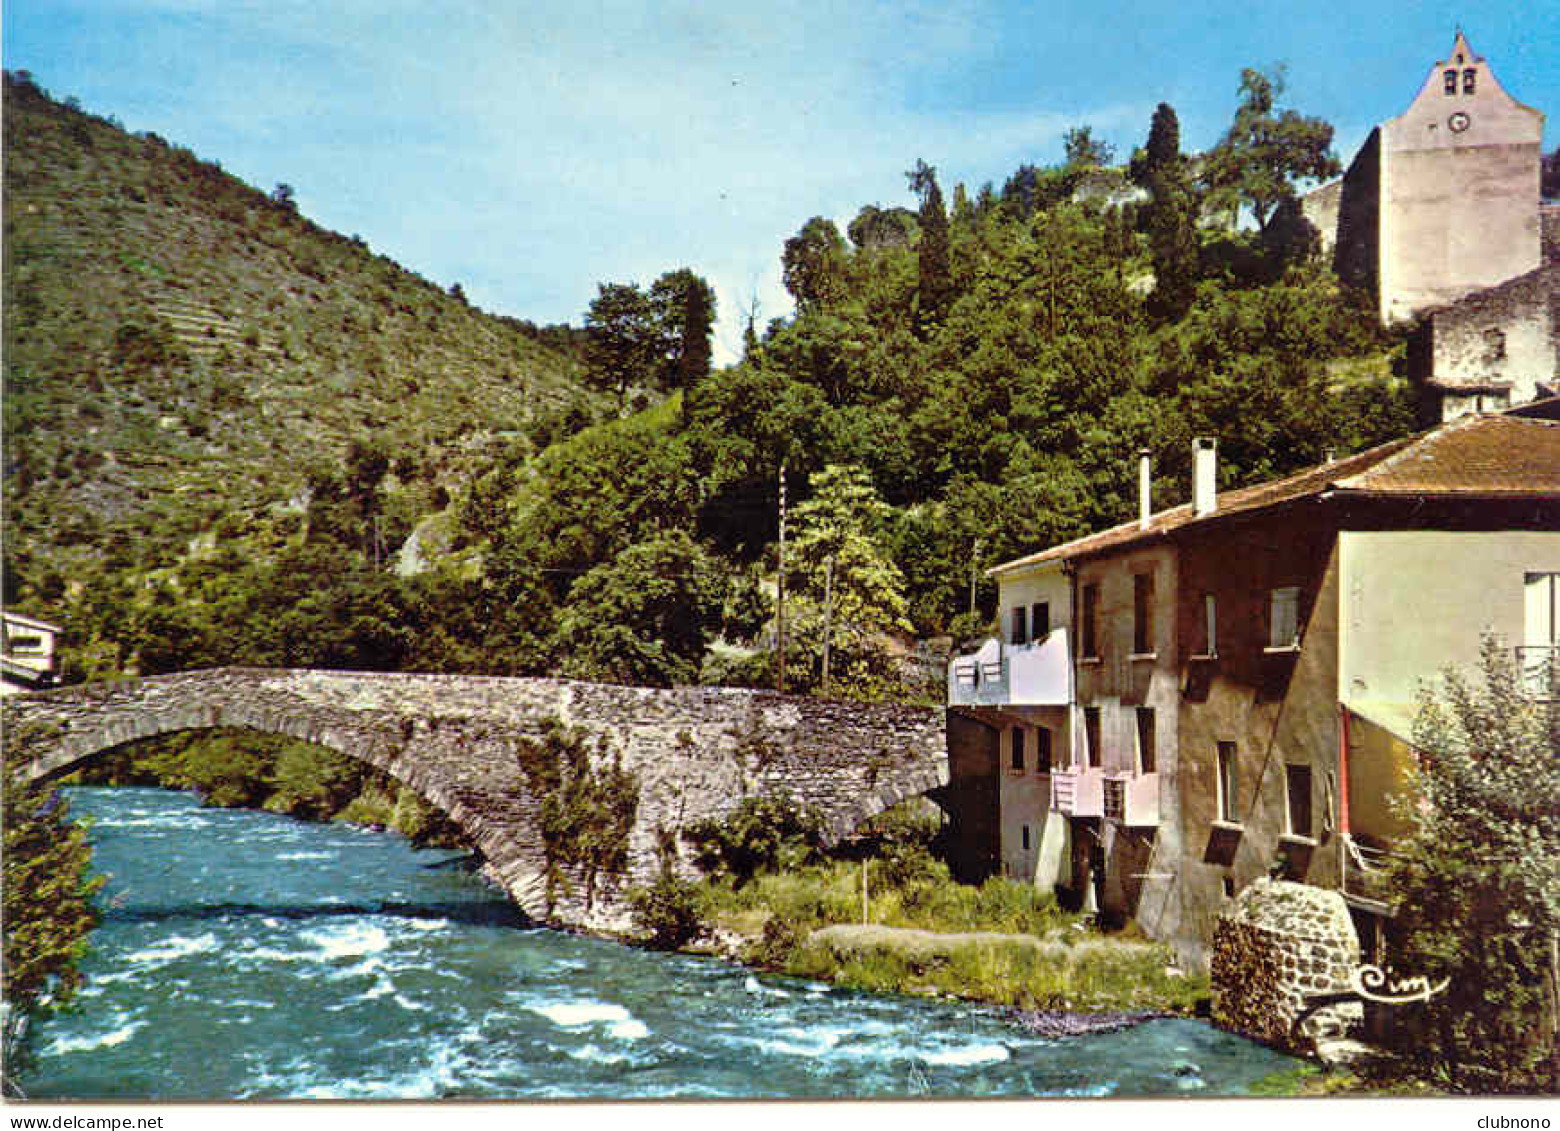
(531, 150)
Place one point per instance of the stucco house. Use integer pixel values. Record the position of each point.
(1225, 690)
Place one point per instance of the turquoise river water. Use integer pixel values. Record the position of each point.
(248, 955)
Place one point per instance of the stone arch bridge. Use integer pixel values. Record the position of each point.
(695, 752)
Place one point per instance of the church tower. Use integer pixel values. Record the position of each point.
(1443, 200)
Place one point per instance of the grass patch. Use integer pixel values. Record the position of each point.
(1001, 942)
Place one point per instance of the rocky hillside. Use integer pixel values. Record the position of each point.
(180, 346)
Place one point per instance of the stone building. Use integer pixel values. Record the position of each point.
(1443, 199)
(1224, 691)
(1440, 219)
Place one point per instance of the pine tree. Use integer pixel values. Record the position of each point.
(1169, 218)
(936, 277)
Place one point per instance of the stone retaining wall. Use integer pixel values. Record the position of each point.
(1278, 944)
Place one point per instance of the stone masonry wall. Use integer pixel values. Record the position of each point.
(695, 752)
(1278, 944)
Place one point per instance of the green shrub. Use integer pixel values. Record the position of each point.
(761, 833)
(587, 809)
(668, 911)
(312, 782)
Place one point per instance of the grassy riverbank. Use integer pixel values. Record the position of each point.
(1001, 942)
(886, 915)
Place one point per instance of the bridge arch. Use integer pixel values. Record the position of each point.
(693, 752)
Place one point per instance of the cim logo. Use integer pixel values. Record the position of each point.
(1374, 984)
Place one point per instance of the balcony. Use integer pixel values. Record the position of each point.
(1078, 792)
(1132, 799)
(1364, 876)
(1538, 671)
(1037, 674)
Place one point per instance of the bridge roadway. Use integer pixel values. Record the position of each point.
(695, 752)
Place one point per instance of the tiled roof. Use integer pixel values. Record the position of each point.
(1480, 455)
(1476, 457)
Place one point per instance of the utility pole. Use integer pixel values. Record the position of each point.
(828, 617)
(974, 568)
(780, 594)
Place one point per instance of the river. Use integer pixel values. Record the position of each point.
(245, 955)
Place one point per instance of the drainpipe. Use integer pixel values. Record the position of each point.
(1070, 571)
(1343, 769)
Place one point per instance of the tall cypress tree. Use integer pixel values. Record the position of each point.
(1169, 219)
(936, 277)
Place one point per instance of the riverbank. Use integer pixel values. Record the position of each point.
(999, 943)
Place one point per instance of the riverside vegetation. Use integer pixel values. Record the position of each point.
(882, 913)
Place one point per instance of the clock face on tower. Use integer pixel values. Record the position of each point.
(1459, 122)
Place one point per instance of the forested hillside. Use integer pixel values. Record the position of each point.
(964, 380)
(182, 348)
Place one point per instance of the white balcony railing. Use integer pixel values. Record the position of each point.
(1035, 674)
(1132, 799)
(1538, 669)
(1078, 792)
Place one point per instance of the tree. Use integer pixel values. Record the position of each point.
(1265, 151)
(685, 310)
(623, 339)
(936, 280)
(813, 265)
(876, 228)
(1477, 878)
(1163, 149)
(852, 591)
(1085, 151)
(1170, 217)
(645, 616)
(48, 910)
(1550, 175)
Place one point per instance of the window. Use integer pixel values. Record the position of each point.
(1018, 624)
(1039, 620)
(1089, 640)
(1539, 655)
(1469, 78)
(1494, 345)
(1210, 626)
(1451, 82)
(1284, 617)
(1297, 783)
(1024, 830)
(1226, 784)
(1018, 749)
(1145, 740)
(1091, 734)
(1142, 613)
(1042, 750)
(1541, 608)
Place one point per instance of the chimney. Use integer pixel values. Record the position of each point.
(1205, 466)
(1145, 489)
